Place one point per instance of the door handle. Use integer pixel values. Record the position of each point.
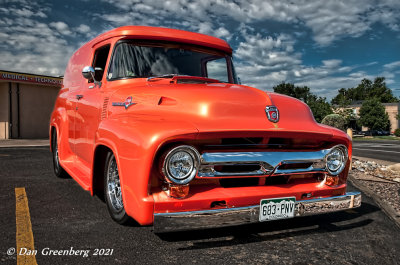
(78, 97)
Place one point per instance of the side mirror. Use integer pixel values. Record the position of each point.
(88, 72)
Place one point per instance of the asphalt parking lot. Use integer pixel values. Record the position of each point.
(64, 216)
(387, 150)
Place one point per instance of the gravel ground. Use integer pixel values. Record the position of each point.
(380, 179)
(388, 192)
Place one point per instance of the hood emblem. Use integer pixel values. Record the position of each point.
(272, 113)
(128, 102)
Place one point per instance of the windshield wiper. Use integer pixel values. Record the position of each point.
(163, 76)
(187, 77)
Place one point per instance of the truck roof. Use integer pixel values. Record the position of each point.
(166, 34)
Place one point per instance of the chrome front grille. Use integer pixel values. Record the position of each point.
(232, 164)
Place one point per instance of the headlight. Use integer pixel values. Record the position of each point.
(336, 159)
(181, 164)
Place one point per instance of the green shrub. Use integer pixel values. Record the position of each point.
(335, 120)
(397, 132)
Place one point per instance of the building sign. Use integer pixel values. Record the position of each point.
(36, 79)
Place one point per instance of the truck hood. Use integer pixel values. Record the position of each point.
(214, 107)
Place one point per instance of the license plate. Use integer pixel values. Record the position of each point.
(278, 208)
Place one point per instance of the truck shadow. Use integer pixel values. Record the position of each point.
(269, 231)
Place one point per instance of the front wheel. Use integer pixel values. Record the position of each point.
(113, 191)
(58, 170)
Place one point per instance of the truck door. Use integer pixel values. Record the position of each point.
(87, 117)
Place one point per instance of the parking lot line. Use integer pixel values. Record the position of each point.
(24, 229)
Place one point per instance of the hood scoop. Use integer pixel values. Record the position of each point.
(166, 101)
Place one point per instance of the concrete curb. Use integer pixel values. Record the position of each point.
(24, 146)
(24, 143)
(390, 212)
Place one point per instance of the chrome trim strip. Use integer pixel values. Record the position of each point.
(179, 221)
(269, 162)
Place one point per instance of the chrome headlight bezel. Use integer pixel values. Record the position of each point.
(342, 152)
(194, 159)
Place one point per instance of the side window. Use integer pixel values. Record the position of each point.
(99, 62)
(216, 69)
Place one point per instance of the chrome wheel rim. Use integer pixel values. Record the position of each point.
(56, 156)
(113, 185)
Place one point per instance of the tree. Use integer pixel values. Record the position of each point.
(341, 100)
(373, 115)
(291, 90)
(318, 105)
(365, 90)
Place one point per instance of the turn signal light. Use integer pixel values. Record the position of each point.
(332, 180)
(178, 191)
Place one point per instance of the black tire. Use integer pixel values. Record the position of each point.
(58, 170)
(113, 192)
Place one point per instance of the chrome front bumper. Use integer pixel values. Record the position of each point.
(179, 221)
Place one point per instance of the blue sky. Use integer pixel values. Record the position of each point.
(325, 45)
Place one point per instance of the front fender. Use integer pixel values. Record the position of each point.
(134, 144)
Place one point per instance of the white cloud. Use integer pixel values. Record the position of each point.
(26, 11)
(272, 53)
(392, 65)
(208, 29)
(23, 12)
(329, 85)
(30, 45)
(267, 61)
(328, 20)
(322, 80)
(83, 28)
(222, 33)
(331, 63)
(62, 27)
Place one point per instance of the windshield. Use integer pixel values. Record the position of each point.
(146, 59)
